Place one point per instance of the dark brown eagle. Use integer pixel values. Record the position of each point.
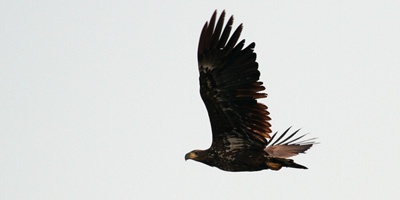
(230, 87)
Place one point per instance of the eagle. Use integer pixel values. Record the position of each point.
(229, 88)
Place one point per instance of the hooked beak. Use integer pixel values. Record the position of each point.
(190, 155)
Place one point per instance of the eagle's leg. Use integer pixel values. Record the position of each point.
(273, 165)
(277, 163)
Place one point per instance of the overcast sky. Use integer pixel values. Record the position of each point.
(100, 99)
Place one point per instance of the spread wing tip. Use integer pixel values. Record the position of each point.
(285, 147)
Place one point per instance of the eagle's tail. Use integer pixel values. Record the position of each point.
(278, 163)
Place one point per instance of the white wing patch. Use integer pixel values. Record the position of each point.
(235, 143)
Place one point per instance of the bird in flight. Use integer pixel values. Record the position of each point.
(230, 87)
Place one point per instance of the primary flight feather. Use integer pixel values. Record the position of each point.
(230, 87)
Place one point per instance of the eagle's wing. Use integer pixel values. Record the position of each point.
(285, 147)
(230, 87)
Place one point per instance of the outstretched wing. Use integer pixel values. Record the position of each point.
(282, 147)
(230, 87)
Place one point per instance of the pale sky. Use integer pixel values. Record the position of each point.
(100, 99)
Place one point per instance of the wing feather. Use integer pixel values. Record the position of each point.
(230, 87)
(283, 148)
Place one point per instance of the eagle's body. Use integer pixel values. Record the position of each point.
(246, 160)
(230, 87)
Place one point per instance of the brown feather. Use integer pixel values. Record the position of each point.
(230, 89)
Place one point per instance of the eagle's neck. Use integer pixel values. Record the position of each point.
(207, 157)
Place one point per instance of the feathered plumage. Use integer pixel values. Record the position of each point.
(230, 87)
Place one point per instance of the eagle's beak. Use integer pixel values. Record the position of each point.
(190, 155)
(187, 156)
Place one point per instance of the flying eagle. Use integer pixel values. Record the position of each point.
(230, 87)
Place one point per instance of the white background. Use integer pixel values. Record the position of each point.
(99, 99)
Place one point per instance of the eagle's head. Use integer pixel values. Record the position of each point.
(197, 155)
